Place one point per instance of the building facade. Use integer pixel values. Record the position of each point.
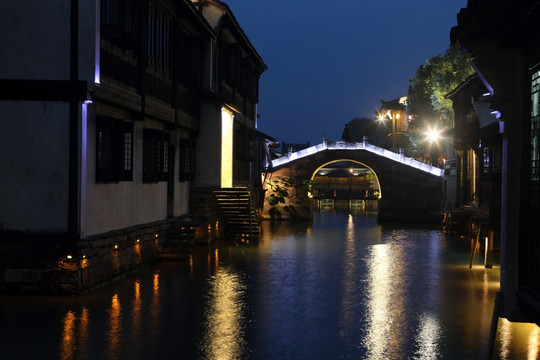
(478, 145)
(502, 38)
(111, 107)
(394, 115)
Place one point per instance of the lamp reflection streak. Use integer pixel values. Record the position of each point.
(74, 339)
(84, 322)
(380, 295)
(155, 309)
(348, 302)
(427, 339)
(224, 335)
(67, 346)
(534, 343)
(514, 337)
(114, 334)
(136, 317)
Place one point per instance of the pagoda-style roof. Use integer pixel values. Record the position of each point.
(394, 105)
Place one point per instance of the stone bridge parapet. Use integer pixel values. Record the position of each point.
(410, 190)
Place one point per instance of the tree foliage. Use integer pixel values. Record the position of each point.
(426, 99)
(283, 189)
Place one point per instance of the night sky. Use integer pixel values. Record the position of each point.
(332, 61)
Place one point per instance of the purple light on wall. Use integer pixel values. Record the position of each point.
(483, 79)
(496, 113)
(84, 164)
(97, 73)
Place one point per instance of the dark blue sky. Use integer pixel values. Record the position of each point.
(331, 61)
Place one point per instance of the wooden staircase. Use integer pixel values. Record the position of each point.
(236, 213)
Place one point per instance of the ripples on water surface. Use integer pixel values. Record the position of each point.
(342, 287)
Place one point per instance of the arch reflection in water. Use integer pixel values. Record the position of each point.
(224, 333)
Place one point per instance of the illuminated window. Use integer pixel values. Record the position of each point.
(114, 150)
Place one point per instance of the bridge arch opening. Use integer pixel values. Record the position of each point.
(346, 183)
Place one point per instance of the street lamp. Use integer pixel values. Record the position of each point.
(433, 135)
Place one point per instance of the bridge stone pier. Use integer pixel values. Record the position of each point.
(410, 190)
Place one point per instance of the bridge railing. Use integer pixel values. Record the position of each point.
(342, 145)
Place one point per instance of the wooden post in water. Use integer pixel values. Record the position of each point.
(488, 260)
(473, 250)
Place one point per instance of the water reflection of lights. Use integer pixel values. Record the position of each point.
(349, 301)
(514, 336)
(74, 339)
(115, 329)
(380, 294)
(136, 312)
(155, 308)
(427, 338)
(224, 336)
(534, 343)
(67, 346)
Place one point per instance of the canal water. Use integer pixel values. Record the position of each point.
(339, 287)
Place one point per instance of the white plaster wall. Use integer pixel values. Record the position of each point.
(115, 206)
(208, 154)
(34, 166)
(213, 14)
(181, 197)
(34, 39)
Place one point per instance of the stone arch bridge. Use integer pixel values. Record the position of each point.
(409, 190)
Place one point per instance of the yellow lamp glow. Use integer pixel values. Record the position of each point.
(226, 148)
